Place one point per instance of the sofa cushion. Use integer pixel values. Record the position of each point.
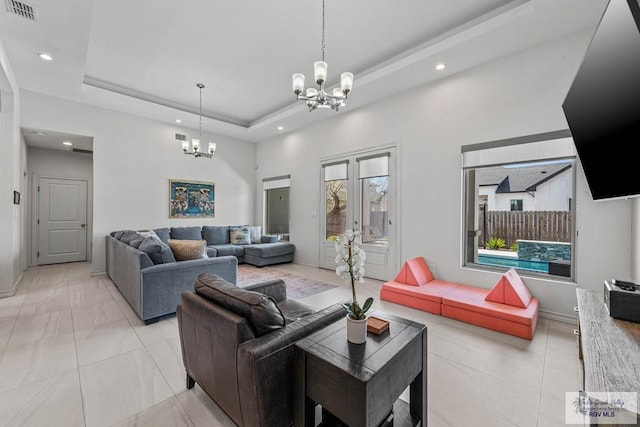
(215, 234)
(473, 300)
(163, 233)
(226, 250)
(128, 236)
(261, 311)
(414, 272)
(185, 250)
(136, 240)
(255, 232)
(239, 236)
(510, 290)
(266, 250)
(186, 233)
(153, 246)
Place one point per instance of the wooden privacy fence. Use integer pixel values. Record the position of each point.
(550, 226)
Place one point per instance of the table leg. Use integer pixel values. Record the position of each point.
(304, 407)
(418, 390)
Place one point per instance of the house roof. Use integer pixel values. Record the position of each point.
(521, 179)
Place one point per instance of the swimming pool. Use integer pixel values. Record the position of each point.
(498, 261)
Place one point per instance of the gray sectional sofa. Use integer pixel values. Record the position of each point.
(144, 269)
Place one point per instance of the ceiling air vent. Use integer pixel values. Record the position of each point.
(21, 9)
(80, 150)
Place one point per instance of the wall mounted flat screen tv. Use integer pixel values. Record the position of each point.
(602, 106)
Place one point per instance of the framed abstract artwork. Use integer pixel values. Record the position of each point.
(191, 199)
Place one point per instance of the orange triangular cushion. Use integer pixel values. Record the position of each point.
(414, 272)
(510, 290)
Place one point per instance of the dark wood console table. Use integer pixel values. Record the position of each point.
(359, 383)
(609, 348)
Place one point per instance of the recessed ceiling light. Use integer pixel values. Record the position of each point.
(178, 121)
(441, 66)
(41, 133)
(67, 143)
(45, 56)
(280, 128)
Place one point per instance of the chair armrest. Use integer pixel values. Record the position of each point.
(276, 289)
(265, 368)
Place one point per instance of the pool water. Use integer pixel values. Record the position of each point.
(498, 261)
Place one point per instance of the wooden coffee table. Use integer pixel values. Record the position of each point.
(359, 383)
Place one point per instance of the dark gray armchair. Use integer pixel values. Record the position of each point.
(238, 345)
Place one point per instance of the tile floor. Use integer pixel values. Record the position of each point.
(73, 353)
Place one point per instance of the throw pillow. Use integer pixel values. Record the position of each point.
(152, 246)
(510, 290)
(147, 233)
(268, 238)
(136, 240)
(240, 236)
(256, 233)
(185, 250)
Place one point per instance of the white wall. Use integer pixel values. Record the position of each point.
(11, 168)
(133, 160)
(519, 95)
(44, 163)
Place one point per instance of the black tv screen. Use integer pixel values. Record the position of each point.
(602, 106)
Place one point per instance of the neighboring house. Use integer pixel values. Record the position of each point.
(530, 188)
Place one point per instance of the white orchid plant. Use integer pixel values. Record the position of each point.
(350, 260)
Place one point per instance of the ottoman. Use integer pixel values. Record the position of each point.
(261, 254)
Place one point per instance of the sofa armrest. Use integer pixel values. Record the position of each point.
(276, 289)
(265, 368)
(162, 284)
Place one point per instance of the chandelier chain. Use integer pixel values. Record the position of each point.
(323, 41)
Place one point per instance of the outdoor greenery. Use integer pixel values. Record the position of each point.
(496, 243)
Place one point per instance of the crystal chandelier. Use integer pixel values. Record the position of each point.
(195, 142)
(319, 98)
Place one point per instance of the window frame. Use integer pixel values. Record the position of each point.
(496, 153)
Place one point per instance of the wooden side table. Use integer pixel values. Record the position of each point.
(359, 383)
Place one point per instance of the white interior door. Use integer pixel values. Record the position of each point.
(62, 220)
(358, 192)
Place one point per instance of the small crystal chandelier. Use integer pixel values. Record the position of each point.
(318, 98)
(195, 142)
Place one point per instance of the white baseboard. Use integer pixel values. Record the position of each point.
(97, 273)
(560, 317)
(13, 291)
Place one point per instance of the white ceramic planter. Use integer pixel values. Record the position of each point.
(356, 330)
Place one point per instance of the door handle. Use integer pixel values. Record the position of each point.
(83, 225)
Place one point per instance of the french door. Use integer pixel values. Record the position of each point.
(359, 193)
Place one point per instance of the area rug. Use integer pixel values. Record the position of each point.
(297, 286)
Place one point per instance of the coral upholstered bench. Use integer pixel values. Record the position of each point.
(508, 307)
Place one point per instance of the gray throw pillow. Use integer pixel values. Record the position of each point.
(158, 251)
(256, 233)
(261, 311)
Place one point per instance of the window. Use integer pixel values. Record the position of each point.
(276, 205)
(517, 204)
(373, 173)
(335, 187)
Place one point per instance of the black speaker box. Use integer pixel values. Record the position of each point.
(622, 300)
